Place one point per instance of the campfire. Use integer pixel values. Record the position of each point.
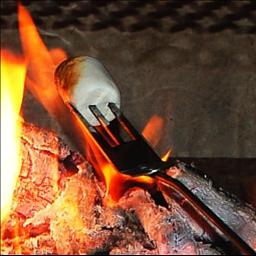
(57, 200)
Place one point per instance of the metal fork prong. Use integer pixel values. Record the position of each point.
(104, 124)
(81, 117)
(118, 114)
(115, 110)
(100, 117)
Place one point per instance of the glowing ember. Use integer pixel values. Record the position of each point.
(13, 70)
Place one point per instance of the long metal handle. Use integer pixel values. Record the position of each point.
(165, 180)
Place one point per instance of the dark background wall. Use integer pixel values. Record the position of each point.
(191, 62)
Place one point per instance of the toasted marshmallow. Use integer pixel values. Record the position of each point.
(84, 81)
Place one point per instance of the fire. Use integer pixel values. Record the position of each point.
(37, 69)
(42, 65)
(166, 156)
(153, 129)
(116, 182)
(11, 98)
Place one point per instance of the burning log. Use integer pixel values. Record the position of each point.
(59, 207)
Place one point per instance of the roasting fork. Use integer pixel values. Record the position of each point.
(132, 155)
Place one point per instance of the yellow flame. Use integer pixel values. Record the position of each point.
(13, 72)
(166, 156)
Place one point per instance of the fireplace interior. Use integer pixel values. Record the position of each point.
(186, 73)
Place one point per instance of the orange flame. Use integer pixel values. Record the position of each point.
(153, 130)
(42, 63)
(11, 98)
(166, 156)
(40, 76)
(116, 182)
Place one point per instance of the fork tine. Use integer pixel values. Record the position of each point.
(82, 118)
(115, 110)
(122, 120)
(104, 124)
(100, 117)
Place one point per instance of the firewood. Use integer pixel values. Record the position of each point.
(59, 207)
(240, 216)
(39, 176)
